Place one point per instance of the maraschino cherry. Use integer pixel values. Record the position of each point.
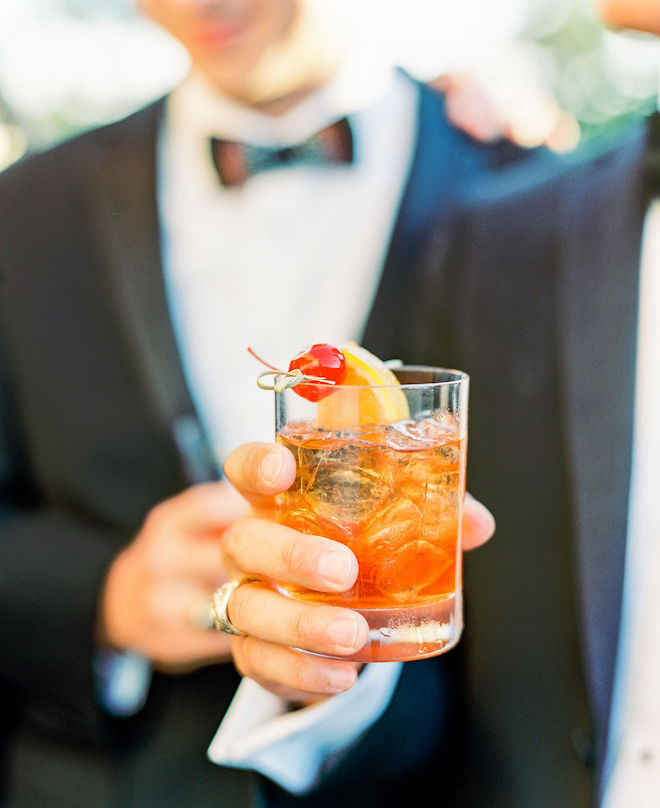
(320, 361)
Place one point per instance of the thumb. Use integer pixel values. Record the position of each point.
(259, 470)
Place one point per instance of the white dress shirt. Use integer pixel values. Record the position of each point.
(291, 257)
(633, 761)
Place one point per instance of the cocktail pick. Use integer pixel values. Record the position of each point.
(284, 379)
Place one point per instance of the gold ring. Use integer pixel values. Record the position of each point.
(219, 604)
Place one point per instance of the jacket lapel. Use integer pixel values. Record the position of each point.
(122, 185)
(431, 192)
(446, 165)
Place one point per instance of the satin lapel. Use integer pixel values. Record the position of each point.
(122, 185)
(601, 233)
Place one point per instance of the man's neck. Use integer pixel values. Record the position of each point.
(287, 117)
(279, 105)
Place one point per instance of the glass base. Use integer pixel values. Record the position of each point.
(413, 632)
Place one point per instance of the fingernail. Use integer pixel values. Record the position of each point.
(343, 632)
(341, 679)
(270, 467)
(335, 567)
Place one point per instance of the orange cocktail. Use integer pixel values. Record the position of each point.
(393, 493)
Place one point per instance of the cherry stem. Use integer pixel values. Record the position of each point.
(263, 361)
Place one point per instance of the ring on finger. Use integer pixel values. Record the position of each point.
(220, 603)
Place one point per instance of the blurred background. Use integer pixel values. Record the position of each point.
(550, 70)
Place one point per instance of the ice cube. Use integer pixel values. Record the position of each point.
(401, 559)
(428, 429)
(347, 485)
(395, 526)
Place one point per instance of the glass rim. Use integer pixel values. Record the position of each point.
(459, 377)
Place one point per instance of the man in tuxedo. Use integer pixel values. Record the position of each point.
(138, 261)
(534, 287)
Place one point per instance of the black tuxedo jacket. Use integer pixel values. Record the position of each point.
(533, 290)
(97, 425)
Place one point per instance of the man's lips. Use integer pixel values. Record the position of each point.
(216, 33)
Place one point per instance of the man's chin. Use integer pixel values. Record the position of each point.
(310, 54)
(277, 89)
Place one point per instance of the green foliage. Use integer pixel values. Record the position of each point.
(601, 78)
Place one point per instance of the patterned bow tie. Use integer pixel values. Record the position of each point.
(237, 162)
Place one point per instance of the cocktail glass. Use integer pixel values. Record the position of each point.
(382, 470)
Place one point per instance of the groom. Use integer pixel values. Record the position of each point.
(535, 292)
(138, 262)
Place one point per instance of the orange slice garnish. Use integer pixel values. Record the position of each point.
(379, 399)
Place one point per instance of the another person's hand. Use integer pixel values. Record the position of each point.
(274, 626)
(470, 108)
(160, 581)
(531, 118)
(639, 15)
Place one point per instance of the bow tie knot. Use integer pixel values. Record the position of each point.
(236, 162)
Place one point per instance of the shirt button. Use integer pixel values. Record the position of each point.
(646, 755)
